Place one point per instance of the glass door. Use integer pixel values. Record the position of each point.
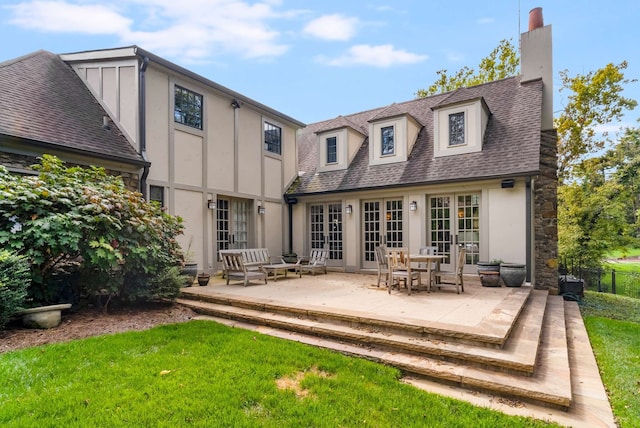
(382, 224)
(232, 220)
(454, 221)
(326, 230)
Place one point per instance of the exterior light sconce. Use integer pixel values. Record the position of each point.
(460, 212)
(413, 206)
(507, 184)
(261, 210)
(348, 209)
(211, 204)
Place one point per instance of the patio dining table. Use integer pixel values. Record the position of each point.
(428, 259)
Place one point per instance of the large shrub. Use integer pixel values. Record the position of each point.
(84, 233)
(14, 279)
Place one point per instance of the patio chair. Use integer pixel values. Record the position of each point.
(235, 268)
(317, 261)
(383, 264)
(422, 266)
(400, 269)
(453, 278)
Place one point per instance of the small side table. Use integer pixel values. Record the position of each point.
(278, 267)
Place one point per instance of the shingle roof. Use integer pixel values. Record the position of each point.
(511, 144)
(43, 101)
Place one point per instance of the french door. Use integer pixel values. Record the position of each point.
(454, 222)
(382, 224)
(232, 220)
(326, 230)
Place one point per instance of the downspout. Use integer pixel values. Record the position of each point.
(529, 228)
(142, 108)
(290, 203)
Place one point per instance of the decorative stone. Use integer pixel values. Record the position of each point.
(43, 316)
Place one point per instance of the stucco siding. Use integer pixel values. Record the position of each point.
(272, 178)
(157, 124)
(250, 153)
(221, 162)
(188, 154)
(506, 214)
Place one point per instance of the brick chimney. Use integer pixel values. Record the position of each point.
(536, 61)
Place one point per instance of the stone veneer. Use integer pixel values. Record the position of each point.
(546, 214)
(22, 163)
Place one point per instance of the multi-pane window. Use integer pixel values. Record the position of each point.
(272, 138)
(332, 150)
(388, 140)
(156, 194)
(187, 108)
(456, 129)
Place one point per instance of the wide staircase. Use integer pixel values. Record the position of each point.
(519, 352)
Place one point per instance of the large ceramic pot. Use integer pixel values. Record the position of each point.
(489, 278)
(190, 271)
(513, 274)
(488, 267)
(43, 316)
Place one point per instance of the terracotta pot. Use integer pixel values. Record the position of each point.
(203, 279)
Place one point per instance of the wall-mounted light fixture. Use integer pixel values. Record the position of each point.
(507, 184)
(413, 206)
(211, 204)
(235, 103)
(261, 210)
(348, 209)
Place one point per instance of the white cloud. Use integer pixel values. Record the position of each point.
(332, 27)
(382, 56)
(484, 21)
(611, 128)
(192, 29)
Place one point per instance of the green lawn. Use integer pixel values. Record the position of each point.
(205, 374)
(613, 325)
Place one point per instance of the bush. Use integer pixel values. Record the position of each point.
(14, 280)
(85, 234)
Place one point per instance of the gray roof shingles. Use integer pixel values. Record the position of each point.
(511, 144)
(43, 101)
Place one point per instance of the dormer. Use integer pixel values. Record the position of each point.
(392, 135)
(337, 144)
(459, 125)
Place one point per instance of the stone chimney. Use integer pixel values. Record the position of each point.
(536, 61)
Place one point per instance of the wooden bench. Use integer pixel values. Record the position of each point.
(253, 258)
(235, 267)
(317, 261)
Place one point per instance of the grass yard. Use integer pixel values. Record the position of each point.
(205, 374)
(613, 325)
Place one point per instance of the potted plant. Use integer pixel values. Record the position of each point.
(513, 274)
(203, 278)
(189, 267)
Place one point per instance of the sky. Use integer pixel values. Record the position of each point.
(315, 60)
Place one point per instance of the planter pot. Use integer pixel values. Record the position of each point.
(488, 267)
(190, 271)
(513, 274)
(489, 278)
(203, 279)
(43, 316)
(290, 257)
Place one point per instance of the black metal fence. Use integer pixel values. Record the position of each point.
(607, 280)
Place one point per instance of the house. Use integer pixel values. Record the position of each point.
(472, 168)
(220, 160)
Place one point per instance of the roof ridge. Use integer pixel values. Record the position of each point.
(24, 57)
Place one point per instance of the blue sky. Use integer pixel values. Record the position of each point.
(314, 60)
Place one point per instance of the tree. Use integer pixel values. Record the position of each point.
(595, 99)
(85, 234)
(502, 62)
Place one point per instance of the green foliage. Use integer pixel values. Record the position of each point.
(83, 223)
(206, 374)
(595, 99)
(502, 62)
(14, 280)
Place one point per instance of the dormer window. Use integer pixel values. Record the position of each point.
(332, 150)
(387, 134)
(456, 129)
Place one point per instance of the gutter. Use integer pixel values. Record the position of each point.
(142, 125)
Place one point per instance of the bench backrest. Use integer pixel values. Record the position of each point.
(255, 255)
(232, 261)
(318, 257)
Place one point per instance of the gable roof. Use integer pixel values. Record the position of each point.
(511, 144)
(44, 103)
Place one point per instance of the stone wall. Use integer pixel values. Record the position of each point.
(546, 214)
(16, 162)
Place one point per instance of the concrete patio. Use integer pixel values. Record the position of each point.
(517, 350)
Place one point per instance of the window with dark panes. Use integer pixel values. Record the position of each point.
(187, 108)
(388, 141)
(272, 138)
(332, 150)
(456, 129)
(156, 194)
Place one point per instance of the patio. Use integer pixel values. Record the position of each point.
(479, 346)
